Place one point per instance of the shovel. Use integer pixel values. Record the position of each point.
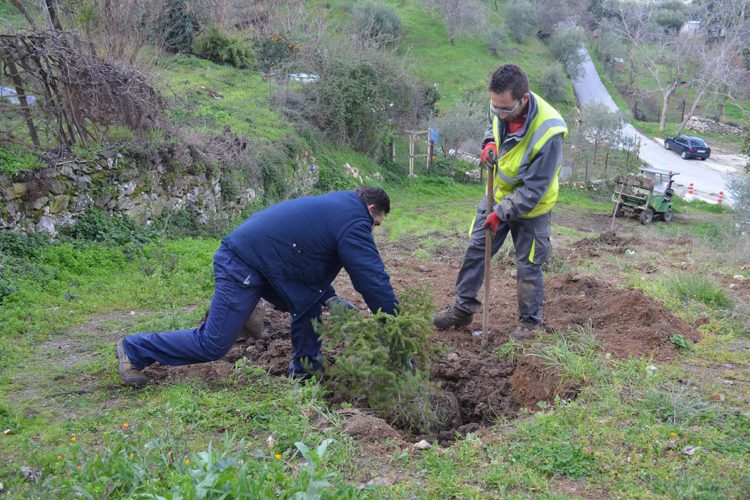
(488, 253)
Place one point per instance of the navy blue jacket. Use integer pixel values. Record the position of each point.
(300, 246)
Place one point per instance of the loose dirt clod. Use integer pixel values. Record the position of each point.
(608, 241)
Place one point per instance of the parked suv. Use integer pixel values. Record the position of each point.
(688, 146)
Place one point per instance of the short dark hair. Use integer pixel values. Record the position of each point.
(510, 77)
(375, 196)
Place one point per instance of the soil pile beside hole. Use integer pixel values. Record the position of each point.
(367, 428)
(625, 321)
(607, 241)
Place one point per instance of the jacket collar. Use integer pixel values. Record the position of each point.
(533, 110)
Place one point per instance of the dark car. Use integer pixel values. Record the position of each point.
(688, 146)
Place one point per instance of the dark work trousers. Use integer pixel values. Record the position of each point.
(531, 239)
(238, 288)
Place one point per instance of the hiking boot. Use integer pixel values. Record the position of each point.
(129, 373)
(525, 330)
(452, 317)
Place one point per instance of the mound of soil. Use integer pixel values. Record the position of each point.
(608, 241)
(367, 428)
(626, 322)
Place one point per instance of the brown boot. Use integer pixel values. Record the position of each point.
(452, 317)
(129, 373)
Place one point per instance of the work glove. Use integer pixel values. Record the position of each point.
(489, 153)
(337, 305)
(492, 222)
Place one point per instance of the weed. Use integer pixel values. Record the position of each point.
(694, 286)
(574, 354)
(509, 351)
(674, 404)
(681, 342)
(13, 161)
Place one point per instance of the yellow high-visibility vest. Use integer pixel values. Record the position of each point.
(546, 124)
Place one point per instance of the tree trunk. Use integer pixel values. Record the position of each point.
(24, 104)
(692, 110)
(665, 104)
(19, 6)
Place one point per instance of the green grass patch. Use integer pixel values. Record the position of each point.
(595, 202)
(679, 205)
(697, 287)
(13, 161)
(243, 104)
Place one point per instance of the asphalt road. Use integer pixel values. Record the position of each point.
(708, 177)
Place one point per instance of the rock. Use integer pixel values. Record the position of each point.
(57, 187)
(46, 225)
(377, 176)
(58, 203)
(353, 172)
(127, 188)
(474, 175)
(81, 203)
(452, 357)
(19, 189)
(422, 445)
(739, 277)
(690, 450)
(32, 474)
(39, 203)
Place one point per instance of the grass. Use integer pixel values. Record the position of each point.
(243, 105)
(254, 435)
(623, 436)
(579, 198)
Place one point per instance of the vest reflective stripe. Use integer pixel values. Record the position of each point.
(513, 164)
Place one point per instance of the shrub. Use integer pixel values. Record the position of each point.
(385, 361)
(376, 23)
(462, 127)
(222, 49)
(12, 161)
(565, 45)
(273, 51)
(176, 27)
(96, 225)
(362, 96)
(496, 38)
(520, 19)
(553, 83)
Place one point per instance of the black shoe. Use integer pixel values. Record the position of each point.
(525, 330)
(452, 317)
(306, 368)
(129, 373)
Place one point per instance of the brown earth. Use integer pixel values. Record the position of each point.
(625, 321)
(607, 241)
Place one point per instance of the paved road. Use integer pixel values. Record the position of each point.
(709, 177)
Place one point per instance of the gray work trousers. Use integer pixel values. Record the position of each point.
(531, 239)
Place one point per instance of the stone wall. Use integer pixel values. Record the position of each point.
(48, 199)
(703, 125)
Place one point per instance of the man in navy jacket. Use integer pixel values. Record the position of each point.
(288, 254)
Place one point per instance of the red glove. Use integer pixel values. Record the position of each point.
(489, 148)
(492, 222)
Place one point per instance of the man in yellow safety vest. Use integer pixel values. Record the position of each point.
(525, 136)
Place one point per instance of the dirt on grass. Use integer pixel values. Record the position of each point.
(477, 385)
